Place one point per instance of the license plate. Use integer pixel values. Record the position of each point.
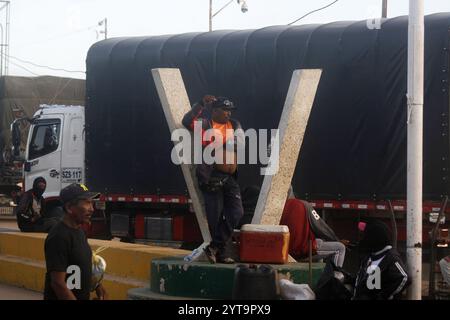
(71, 175)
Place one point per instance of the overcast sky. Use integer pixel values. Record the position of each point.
(58, 33)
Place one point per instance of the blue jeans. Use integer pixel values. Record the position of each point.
(223, 210)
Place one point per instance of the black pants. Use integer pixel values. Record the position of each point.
(43, 225)
(223, 210)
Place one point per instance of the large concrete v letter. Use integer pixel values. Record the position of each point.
(294, 120)
(175, 102)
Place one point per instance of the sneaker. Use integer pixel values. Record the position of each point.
(210, 253)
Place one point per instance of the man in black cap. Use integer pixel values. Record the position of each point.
(221, 193)
(382, 274)
(31, 209)
(68, 255)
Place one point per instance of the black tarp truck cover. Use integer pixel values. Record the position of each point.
(21, 97)
(355, 143)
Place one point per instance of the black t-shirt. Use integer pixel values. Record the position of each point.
(67, 247)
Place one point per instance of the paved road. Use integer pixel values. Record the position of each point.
(13, 293)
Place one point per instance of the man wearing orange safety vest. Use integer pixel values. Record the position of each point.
(221, 193)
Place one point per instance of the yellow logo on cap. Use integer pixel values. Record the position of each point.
(84, 187)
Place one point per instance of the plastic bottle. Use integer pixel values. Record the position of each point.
(193, 255)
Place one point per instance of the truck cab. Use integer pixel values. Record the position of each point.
(55, 148)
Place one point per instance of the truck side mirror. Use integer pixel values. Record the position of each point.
(16, 138)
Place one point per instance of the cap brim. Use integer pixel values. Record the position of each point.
(89, 196)
(228, 108)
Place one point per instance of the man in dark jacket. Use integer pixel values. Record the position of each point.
(306, 225)
(221, 193)
(382, 274)
(31, 209)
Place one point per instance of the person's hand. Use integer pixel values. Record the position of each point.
(208, 99)
(36, 217)
(101, 293)
(345, 242)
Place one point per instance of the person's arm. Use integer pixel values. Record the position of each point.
(23, 207)
(59, 285)
(196, 112)
(398, 280)
(193, 115)
(101, 292)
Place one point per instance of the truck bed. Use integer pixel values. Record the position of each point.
(355, 143)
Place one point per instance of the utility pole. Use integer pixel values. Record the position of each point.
(106, 28)
(104, 23)
(210, 15)
(1, 51)
(384, 10)
(242, 3)
(415, 147)
(4, 45)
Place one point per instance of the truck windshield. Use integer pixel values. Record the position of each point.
(45, 138)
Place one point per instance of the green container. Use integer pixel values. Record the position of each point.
(175, 277)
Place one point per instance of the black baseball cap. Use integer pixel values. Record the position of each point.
(76, 191)
(224, 103)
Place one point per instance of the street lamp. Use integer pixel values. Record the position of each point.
(244, 9)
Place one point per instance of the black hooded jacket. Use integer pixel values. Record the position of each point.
(25, 211)
(382, 274)
(319, 227)
(393, 279)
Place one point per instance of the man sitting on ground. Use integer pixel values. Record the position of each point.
(31, 210)
(382, 263)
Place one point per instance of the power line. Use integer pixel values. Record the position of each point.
(23, 68)
(43, 66)
(59, 92)
(67, 34)
(328, 5)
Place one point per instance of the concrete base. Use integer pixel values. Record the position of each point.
(175, 277)
(22, 262)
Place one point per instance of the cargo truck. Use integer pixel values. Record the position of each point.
(353, 159)
(20, 97)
